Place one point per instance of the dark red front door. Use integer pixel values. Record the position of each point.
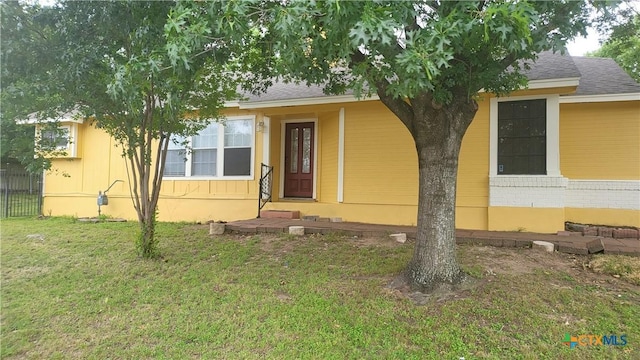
(298, 160)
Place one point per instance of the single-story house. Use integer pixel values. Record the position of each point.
(567, 148)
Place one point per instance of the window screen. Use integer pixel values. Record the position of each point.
(522, 138)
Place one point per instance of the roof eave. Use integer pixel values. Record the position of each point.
(335, 99)
(31, 120)
(599, 98)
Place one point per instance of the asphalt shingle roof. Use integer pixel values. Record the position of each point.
(552, 66)
(603, 76)
(290, 91)
(598, 76)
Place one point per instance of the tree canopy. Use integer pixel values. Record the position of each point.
(623, 44)
(110, 63)
(427, 61)
(24, 51)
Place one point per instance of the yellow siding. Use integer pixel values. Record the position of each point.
(473, 170)
(367, 213)
(328, 157)
(541, 220)
(380, 171)
(381, 165)
(614, 217)
(99, 163)
(595, 144)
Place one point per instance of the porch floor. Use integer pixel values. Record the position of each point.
(573, 244)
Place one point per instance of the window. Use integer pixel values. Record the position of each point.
(58, 138)
(219, 150)
(237, 147)
(176, 156)
(522, 137)
(58, 142)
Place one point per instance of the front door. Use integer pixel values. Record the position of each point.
(298, 160)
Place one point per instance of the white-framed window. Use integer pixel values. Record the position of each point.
(61, 140)
(220, 151)
(524, 163)
(524, 136)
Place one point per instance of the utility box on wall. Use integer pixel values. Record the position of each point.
(102, 199)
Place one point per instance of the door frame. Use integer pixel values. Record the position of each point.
(283, 128)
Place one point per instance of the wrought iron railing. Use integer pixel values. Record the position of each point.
(266, 185)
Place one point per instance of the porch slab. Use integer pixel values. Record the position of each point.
(571, 243)
(280, 214)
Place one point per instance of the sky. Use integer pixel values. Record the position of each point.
(580, 45)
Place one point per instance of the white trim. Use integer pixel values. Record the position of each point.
(603, 194)
(304, 101)
(547, 84)
(553, 135)
(552, 83)
(553, 132)
(266, 144)
(599, 98)
(283, 128)
(69, 117)
(536, 191)
(341, 156)
(231, 104)
(220, 156)
(558, 192)
(71, 149)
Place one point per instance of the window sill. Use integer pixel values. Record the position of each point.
(208, 178)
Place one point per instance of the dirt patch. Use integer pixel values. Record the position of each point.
(378, 241)
(399, 287)
(487, 264)
(517, 261)
(484, 264)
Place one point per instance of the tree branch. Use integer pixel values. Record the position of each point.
(398, 106)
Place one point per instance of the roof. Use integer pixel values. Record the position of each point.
(603, 76)
(597, 76)
(282, 91)
(73, 116)
(552, 66)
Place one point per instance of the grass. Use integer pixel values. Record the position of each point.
(626, 267)
(82, 293)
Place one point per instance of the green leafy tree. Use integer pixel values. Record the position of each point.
(110, 62)
(427, 61)
(23, 51)
(623, 45)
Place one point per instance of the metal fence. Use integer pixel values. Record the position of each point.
(20, 193)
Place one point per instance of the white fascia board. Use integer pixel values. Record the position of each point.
(231, 104)
(304, 101)
(552, 83)
(532, 85)
(70, 117)
(599, 98)
(547, 84)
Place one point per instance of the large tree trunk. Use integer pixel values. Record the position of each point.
(438, 133)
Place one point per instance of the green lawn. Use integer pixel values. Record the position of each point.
(82, 293)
